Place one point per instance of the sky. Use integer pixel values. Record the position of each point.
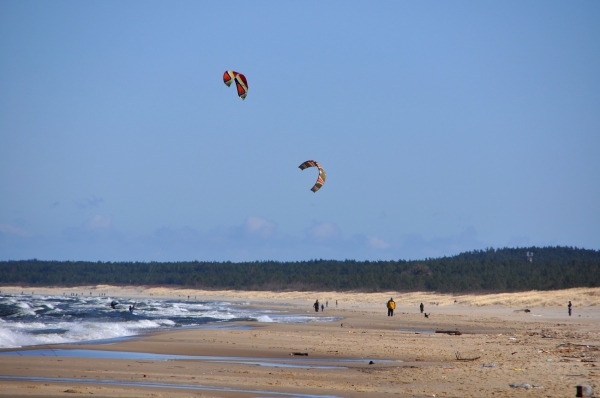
(443, 127)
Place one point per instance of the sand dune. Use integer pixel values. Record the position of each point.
(578, 296)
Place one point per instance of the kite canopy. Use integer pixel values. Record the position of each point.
(322, 175)
(240, 82)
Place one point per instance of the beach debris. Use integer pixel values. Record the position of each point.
(513, 353)
(302, 354)
(449, 367)
(519, 369)
(419, 360)
(575, 351)
(526, 310)
(460, 358)
(489, 365)
(525, 386)
(584, 391)
(512, 338)
(591, 347)
(450, 332)
(72, 391)
(548, 334)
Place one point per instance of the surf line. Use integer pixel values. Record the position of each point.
(272, 362)
(159, 385)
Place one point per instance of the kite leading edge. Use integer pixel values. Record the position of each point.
(322, 175)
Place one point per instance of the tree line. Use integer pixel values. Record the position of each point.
(489, 270)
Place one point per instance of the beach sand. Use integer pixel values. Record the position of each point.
(544, 348)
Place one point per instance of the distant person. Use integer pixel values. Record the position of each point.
(570, 305)
(316, 305)
(422, 307)
(322, 308)
(336, 303)
(391, 306)
(327, 303)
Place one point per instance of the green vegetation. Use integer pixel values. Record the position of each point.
(481, 270)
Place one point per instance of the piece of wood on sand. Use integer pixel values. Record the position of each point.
(460, 358)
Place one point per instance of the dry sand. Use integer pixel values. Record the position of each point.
(544, 348)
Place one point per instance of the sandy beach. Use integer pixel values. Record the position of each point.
(542, 353)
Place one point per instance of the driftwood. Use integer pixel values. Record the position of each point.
(452, 332)
(302, 354)
(587, 346)
(460, 358)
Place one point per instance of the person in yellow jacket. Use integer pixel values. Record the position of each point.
(391, 305)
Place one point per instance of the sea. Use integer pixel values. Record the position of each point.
(29, 320)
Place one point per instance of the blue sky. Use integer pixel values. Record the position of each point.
(443, 127)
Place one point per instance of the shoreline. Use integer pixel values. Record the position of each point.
(544, 348)
(580, 297)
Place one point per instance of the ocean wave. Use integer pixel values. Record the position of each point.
(34, 320)
(264, 318)
(13, 339)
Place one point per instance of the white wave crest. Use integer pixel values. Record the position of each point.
(264, 318)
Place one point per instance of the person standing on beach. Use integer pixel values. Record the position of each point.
(422, 307)
(322, 308)
(316, 305)
(570, 305)
(391, 305)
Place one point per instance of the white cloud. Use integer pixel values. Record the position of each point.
(255, 238)
(377, 243)
(257, 226)
(324, 231)
(98, 221)
(87, 203)
(11, 229)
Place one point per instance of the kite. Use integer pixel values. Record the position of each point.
(240, 82)
(320, 179)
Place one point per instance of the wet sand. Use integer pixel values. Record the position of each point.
(544, 348)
